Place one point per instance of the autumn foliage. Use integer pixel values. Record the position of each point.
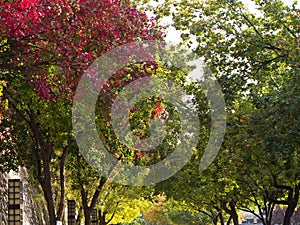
(52, 42)
(45, 47)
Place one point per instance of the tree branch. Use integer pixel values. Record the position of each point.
(112, 216)
(97, 192)
(63, 179)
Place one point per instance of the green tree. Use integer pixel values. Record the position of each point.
(255, 57)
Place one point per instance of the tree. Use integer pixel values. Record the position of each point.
(45, 46)
(255, 58)
(117, 203)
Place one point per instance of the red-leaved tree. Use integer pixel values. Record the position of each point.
(44, 48)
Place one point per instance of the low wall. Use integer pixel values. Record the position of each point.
(33, 204)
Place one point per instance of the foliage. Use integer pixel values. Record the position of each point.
(45, 47)
(255, 57)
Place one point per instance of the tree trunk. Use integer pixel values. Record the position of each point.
(231, 210)
(215, 220)
(88, 208)
(43, 152)
(102, 218)
(292, 206)
(51, 212)
(291, 201)
(235, 219)
(48, 194)
(47, 188)
(62, 180)
(87, 215)
(221, 218)
(229, 220)
(214, 217)
(287, 216)
(289, 212)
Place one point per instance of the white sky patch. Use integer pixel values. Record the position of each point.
(173, 35)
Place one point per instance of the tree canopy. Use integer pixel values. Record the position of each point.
(45, 48)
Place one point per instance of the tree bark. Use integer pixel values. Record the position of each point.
(103, 218)
(43, 152)
(292, 204)
(62, 182)
(48, 194)
(231, 210)
(291, 201)
(214, 217)
(235, 217)
(221, 218)
(86, 209)
(87, 215)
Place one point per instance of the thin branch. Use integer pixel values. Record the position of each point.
(288, 29)
(39, 166)
(284, 187)
(247, 19)
(112, 216)
(12, 103)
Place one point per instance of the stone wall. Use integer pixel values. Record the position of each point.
(3, 199)
(34, 207)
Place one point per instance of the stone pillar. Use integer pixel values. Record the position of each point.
(15, 197)
(71, 212)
